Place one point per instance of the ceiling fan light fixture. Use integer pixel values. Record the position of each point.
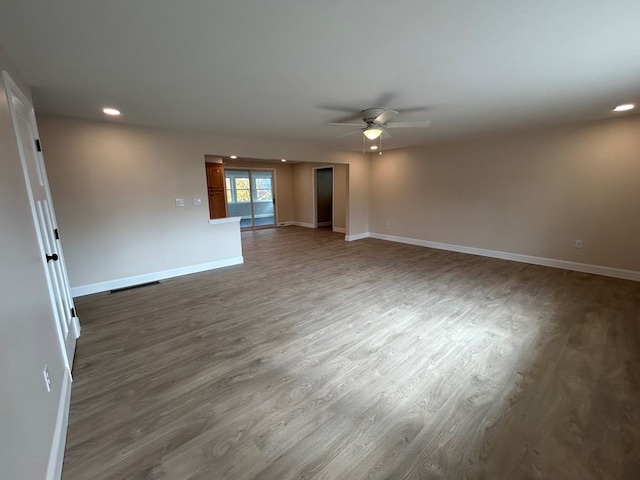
(624, 108)
(111, 111)
(372, 133)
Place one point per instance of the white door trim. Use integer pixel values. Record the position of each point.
(274, 182)
(12, 88)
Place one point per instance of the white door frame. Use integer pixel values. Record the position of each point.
(58, 287)
(273, 191)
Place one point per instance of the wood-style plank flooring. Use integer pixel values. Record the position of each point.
(325, 359)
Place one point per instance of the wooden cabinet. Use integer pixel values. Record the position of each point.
(216, 190)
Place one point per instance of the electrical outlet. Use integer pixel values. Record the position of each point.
(47, 378)
(179, 202)
(386, 223)
(197, 202)
(578, 244)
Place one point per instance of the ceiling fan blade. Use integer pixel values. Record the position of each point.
(385, 116)
(419, 124)
(350, 118)
(415, 109)
(349, 133)
(341, 124)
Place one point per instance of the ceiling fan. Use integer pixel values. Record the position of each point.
(376, 122)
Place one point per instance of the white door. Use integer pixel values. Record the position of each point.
(24, 124)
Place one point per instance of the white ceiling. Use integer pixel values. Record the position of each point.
(283, 69)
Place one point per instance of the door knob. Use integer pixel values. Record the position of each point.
(53, 257)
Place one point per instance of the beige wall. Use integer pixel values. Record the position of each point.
(114, 187)
(294, 188)
(283, 184)
(303, 190)
(358, 211)
(531, 193)
(28, 338)
(340, 196)
(303, 193)
(352, 200)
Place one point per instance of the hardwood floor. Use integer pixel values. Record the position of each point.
(325, 359)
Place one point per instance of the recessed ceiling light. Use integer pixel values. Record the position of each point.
(111, 111)
(233, 157)
(624, 108)
(283, 160)
(373, 147)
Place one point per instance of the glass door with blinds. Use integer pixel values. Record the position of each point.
(250, 196)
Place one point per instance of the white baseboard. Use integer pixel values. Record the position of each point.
(56, 456)
(516, 257)
(303, 224)
(152, 277)
(284, 224)
(358, 236)
(339, 230)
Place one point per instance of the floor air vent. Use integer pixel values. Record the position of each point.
(140, 285)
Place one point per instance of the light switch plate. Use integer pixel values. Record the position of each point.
(179, 202)
(197, 201)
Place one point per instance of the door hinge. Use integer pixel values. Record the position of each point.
(38, 145)
(73, 312)
(55, 232)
